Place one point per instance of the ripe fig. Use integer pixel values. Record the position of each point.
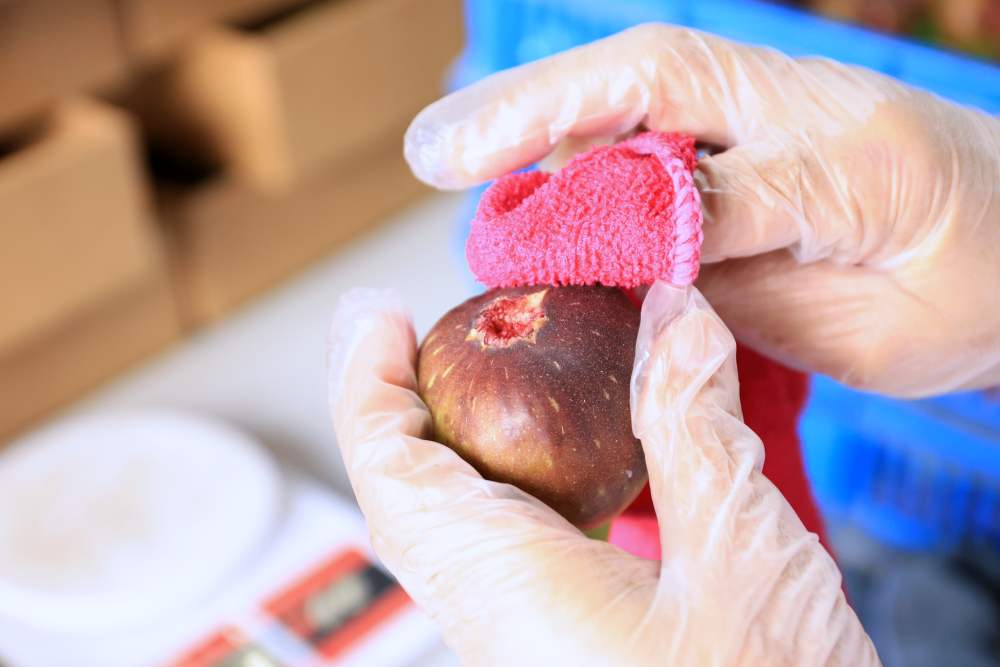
(531, 386)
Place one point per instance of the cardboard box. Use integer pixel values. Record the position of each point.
(76, 222)
(54, 368)
(230, 242)
(83, 282)
(273, 104)
(152, 28)
(49, 48)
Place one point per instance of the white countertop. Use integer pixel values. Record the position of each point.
(263, 369)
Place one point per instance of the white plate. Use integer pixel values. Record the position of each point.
(112, 521)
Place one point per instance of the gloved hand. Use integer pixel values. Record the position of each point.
(863, 215)
(512, 583)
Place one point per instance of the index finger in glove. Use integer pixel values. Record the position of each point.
(725, 528)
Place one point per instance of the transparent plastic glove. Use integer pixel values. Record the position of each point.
(512, 583)
(865, 215)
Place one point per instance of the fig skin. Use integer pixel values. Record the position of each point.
(530, 385)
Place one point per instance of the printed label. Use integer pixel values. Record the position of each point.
(338, 604)
(313, 620)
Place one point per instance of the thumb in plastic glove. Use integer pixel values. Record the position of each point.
(511, 582)
(862, 216)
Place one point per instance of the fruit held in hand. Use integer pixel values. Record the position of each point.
(531, 386)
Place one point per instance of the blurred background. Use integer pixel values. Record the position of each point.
(185, 188)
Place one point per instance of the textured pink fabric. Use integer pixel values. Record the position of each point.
(623, 215)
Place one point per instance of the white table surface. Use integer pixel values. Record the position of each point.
(263, 369)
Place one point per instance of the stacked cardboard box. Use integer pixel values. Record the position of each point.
(275, 131)
(153, 30)
(83, 282)
(275, 102)
(303, 117)
(51, 48)
(231, 241)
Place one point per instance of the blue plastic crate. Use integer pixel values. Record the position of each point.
(506, 33)
(919, 474)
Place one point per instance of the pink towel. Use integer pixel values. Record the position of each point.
(623, 216)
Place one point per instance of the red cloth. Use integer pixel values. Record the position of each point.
(627, 215)
(624, 215)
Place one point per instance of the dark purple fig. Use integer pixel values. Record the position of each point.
(531, 386)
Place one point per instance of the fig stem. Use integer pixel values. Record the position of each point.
(599, 532)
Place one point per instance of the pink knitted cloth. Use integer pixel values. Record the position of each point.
(623, 215)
